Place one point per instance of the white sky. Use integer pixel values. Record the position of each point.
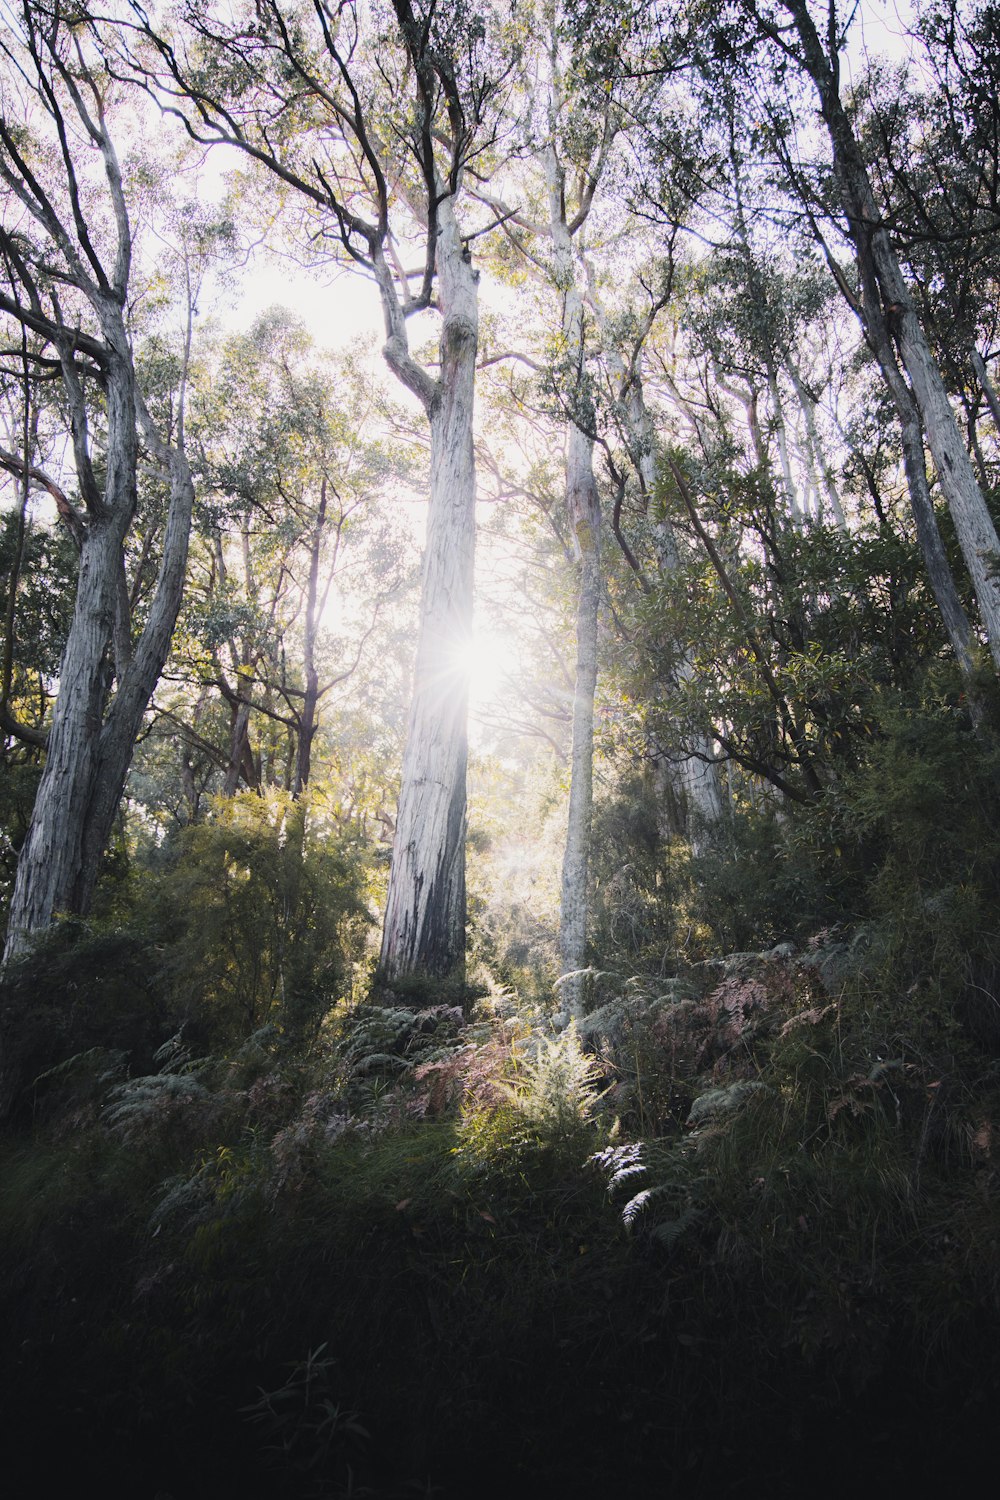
(879, 30)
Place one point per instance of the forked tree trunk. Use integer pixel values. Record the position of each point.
(91, 742)
(94, 729)
(424, 932)
(50, 873)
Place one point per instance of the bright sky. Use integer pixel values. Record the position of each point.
(879, 30)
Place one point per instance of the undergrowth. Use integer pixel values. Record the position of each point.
(734, 1228)
(432, 1243)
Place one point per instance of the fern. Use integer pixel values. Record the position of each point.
(673, 1186)
(556, 1094)
(669, 1231)
(109, 1060)
(723, 1101)
(132, 1106)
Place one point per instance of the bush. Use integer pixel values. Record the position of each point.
(263, 918)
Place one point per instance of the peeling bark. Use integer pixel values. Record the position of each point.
(424, 930)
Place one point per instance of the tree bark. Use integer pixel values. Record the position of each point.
(956, 622)
(93, 730)
(423, 936)
(584, 515)
(90, 749)
(309, 716)
(976, 533)
(584, 510)
(989, 390)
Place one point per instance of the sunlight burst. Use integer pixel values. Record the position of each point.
(486, 662)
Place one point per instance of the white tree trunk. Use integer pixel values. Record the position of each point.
(976, 533)
(424, 931)
(49, 865)
(953, 614)
(825, 482)
(584, 514)
(584, 511)
(780, 432)
(91, 743)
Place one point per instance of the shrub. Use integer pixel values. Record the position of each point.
(263, 917)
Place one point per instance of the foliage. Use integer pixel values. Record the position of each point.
(45, 587)
(264, 916)
(545, 1115)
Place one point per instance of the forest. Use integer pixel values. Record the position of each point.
(499, 747)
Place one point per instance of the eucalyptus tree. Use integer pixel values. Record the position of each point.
(575, 106)
(571, 185)
(931, 137)
(811, 47)
(367, 118)
(67, 245)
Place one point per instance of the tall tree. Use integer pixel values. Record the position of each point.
(573, 122)
(368, 117)
(815, 50)
(583, 508)
(67, 250)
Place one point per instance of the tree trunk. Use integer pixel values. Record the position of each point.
(989, 390)
(424, 931)
(89, 751)
(125, 715)
(50, 864)
(309, 717)
(584, 510)
(240, 758)
(778, 421)
(976, 533)
(584, 515)
(942, 583)
(825, 483)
